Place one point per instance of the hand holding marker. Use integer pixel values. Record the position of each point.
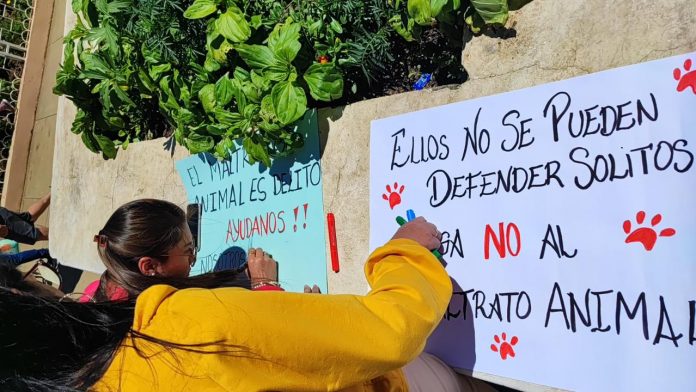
(411, 216)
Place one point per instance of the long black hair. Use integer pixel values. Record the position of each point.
(12, 278)
(48, 345)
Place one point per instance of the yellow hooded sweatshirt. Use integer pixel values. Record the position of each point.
(243, 340)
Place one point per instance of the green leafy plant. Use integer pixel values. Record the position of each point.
(450, 13)
(210, 73)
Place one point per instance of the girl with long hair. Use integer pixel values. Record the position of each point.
(147, 242)
(175, 337)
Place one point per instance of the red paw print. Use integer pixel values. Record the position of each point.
(394, 196)
(505, 347)
(646, 235)
(688, 79)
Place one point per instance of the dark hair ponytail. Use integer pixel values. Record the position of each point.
(149, 227)
(47, 345)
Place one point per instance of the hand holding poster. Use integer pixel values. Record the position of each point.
(569, 224)
(278, 209)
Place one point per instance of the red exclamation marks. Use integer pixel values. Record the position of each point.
(304, 225)
(295, 210)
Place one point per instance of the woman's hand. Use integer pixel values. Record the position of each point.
(261, 266)
(421, 231)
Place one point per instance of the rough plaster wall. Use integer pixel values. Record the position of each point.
(86, 189)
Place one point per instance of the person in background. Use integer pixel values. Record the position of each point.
(21, 226)
(26, 256)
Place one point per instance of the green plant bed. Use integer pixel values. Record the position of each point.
(208, 72)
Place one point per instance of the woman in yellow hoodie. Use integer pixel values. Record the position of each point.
(233, 339)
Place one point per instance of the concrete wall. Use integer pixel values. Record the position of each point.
(34, 106)
(554, 40)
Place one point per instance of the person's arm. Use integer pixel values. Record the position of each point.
(26, 256)
(323, 342)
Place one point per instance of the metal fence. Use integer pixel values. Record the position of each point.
(15, 21)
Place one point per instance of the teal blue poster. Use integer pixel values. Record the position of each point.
(279, 209)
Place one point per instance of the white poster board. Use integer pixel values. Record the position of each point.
(570, 225)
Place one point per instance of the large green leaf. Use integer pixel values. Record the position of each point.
(257, 22)
(224, 90)
(336, 26)
(216, 129)
(81, 122)
(232, 25)
(167, 96)
(251, 111)
(145, 83)
(279, 72)
(424, 12)
(227, 118)
(248, 94)
(107, 146)
(69, 56)
(207, 97)
(492, 11)
(74, 88)
(241, 74)
(406, 32)
(94, 67)
(289, 102)
(222, 149)
(218, 48)
(199, 143)
(256, 151)
(122, 94)
(256, 56)
(89, 141)
(200, 9)
(259, 81)
(267, 112)
(185, 117)
(156, 71)
(116, 6)
(284, 41)
(105, 36)
(325, 82)
(210, 64)
(101, 6)
(180, 88)
(79, 6)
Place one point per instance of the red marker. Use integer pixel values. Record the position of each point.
(332, 241)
